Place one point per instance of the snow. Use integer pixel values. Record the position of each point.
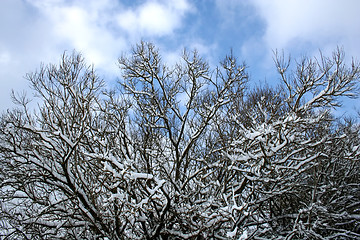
(134, 175)
(252, 135)
(232, 233)
(226, 177)
(244, 235)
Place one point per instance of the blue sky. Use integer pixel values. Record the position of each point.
(35, 31)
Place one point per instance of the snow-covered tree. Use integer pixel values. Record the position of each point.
(181, 152)
(298, 169)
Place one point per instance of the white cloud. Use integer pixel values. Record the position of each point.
(102, 29)
(23, 39)
(83, 25)
(5, 58)
(305, 26)
(153, 18)
(35, 31)
(320, 23)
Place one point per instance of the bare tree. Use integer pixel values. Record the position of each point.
(52, 185)
(173, 139)
(182, 152)
(286, 150)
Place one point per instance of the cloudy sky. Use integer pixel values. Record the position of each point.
(36, 31)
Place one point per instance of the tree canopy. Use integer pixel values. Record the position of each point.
(182, 152)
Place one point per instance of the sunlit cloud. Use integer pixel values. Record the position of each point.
(153, 18)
